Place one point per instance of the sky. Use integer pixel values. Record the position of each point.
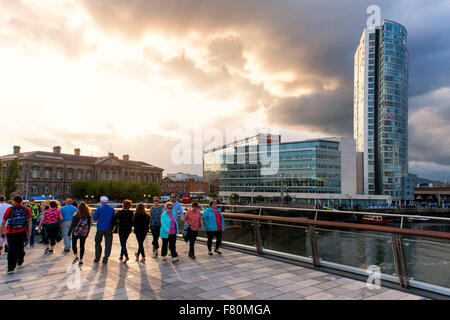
(150, 78)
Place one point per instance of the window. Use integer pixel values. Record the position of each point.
(47, 173)
(35, 173)
(69, 175)
(68, 189)
(88, 175)
(46, 190)
(34, 190)
(80, 175)
(59, 174)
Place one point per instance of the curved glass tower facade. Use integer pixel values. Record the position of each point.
(381, 110)
(393, 108)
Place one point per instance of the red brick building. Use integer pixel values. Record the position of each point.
(169, 186)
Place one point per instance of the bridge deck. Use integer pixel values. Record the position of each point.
(233, 275)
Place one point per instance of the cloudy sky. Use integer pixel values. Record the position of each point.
(137, 75)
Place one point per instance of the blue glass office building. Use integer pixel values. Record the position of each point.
(381, 109)
(303, 170)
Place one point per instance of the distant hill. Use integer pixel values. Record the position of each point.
(418, 180)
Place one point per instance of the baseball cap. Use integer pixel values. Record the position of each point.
(104, 199)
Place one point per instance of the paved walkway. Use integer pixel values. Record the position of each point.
(233, 275)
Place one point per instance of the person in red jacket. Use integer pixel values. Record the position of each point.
(19, 220)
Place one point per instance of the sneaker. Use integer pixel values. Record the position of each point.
(66, 250)
(105, 261)
(75, 260)
(143, 260)
(96, 261)
(210, 253)
(46, 250)
(164, 258)
(10, 271)
(155, 255)
(121, 258)
(193, 257)
(217, 251)
(50, 251)
(175, 259)
(80, 263)
(137, 256)
(26, 243)
(126, 259)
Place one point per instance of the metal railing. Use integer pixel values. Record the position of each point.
(409, 257)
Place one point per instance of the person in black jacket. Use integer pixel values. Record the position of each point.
(124, 223)
(141, 227)
(79, 230)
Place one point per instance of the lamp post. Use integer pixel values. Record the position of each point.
(281, 187)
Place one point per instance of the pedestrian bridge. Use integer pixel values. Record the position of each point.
(233, 275)
(293, 255)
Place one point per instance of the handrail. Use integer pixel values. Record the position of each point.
(333, 224)
(338, 211)
(322, 210)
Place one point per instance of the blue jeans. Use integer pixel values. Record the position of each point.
(192, 236)
(33, 232)
(65, 226)
(123, 237)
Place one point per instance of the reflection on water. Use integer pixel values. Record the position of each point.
(428, 260)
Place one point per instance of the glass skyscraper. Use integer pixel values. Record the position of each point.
(381, 109)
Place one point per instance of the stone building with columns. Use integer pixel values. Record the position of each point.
(52, 173)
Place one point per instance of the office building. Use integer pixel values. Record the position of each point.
(381, 110)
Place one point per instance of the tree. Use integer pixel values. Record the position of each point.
(114, 190)
(12, 174)
(234, 197)
(260, 198)
(153, 189)
(212, 195)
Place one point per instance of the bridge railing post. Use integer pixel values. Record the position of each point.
(257, 233)
(313, 241)
(400, 260)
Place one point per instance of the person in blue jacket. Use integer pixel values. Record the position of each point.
(105, 215)
(214, 225)
(168, 232)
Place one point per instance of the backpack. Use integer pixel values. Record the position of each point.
(18, 218)
(185, 231)
(35, 211)
(82, 229)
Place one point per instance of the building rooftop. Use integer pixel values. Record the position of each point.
(76, 159)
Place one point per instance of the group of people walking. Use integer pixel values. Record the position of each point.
(74, 223)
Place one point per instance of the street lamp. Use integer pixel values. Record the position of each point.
(281, 187)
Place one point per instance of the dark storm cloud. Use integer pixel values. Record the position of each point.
(315, 40)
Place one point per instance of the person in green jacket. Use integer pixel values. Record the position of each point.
(214, 225)
(168, 233)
